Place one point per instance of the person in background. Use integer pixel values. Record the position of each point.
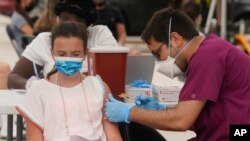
(38, 51)
(47, 19)
(111, 17)
(215, 94)
(193, 10)
(21, 24)
(71, 94)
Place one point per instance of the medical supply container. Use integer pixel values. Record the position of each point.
(166, 93)
(133, 92)
(110, 64)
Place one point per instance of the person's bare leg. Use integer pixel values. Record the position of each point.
(4, 72)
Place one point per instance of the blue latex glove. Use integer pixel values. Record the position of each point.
(148, 102)
(117, 111)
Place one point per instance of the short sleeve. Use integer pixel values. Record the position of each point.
(204, 79)
(18, 20)
(32, 106)
(100, 87)
(103, 88)
(100, 35)
(39, 49)
(118, 15)
(100, 84)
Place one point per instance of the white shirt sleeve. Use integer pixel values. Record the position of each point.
(100, 35)
(32, 106)
(39, 49)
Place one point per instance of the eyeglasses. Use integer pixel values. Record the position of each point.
(157, 52)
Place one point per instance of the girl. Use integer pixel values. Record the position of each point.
(21, 24)
(67, 106)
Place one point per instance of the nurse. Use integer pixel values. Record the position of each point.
(216, 92)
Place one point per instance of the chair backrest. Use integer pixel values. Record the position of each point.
(13, 41)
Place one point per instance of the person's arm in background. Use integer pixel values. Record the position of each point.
(27, 30)
(22, 71)
(28, 33)
(111, 129)
(22, 24)
(121, 30)
(121, 33)
(120, 26)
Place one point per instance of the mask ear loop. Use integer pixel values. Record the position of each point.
(169, 40)
(187, 45)
(169, 32)
(169, 45)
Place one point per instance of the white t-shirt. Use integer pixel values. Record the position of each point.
(83, 103)
(38, 51)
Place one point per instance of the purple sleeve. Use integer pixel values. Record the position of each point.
(204, 78)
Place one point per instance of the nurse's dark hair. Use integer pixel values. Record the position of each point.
(192, 9)
(83, 10)
(67, 30)
(158, 26)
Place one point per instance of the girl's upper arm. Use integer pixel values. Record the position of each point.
(26, 71)
(111, 129)
(34, 133)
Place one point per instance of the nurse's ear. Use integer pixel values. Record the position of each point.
(176, 40)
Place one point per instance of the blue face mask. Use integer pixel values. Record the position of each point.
(68, 65)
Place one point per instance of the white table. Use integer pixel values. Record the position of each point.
(8, 100)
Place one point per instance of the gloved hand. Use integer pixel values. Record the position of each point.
(148, 102)
(29, 81)
(117, 111)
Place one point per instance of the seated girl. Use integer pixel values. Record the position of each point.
(67, 106)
